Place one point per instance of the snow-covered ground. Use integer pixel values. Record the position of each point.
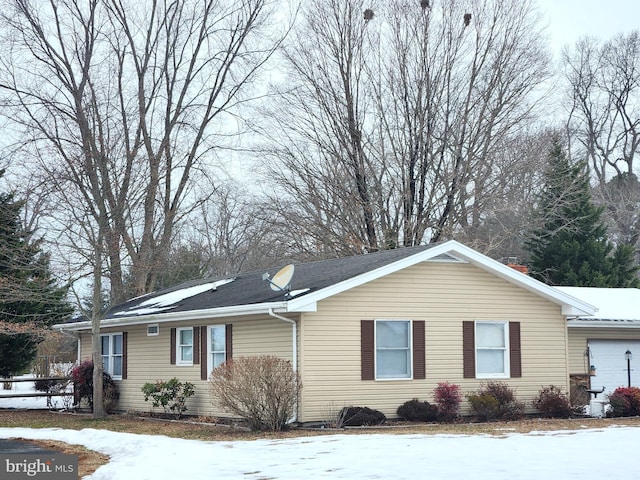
(561, 455)
(31, 402)
(564, 455)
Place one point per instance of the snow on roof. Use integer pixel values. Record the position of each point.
(612, 303)
(295, 293)
(169, 300)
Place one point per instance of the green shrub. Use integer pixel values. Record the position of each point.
(484, 405)
(448, 397)
(624, 402)
(417, 411)
(552, 403)
(495, 401)
(82, 377)
(170, 395)
(360, 417)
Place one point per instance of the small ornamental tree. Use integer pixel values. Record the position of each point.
(263, 390)
(448, 398)
(82, 376)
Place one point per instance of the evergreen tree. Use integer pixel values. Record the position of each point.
(29, 297)
(571, 247)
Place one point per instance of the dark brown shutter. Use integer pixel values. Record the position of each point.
(124, 355)
(204, 364)
(419, 371)
(228, 342)
(172, 354)
(515, 357)
(367, 350)
(196, 345)
(468, 350)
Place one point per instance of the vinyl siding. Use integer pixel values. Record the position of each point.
(443, 295)
(149, 358)
(578, 337)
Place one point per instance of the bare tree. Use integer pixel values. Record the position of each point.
(507, 214)
(238, 235)
(604, 124)
(388, 126)
(123, 107)
(127, 104)
(322, 152)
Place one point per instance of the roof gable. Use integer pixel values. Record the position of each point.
(452, 251)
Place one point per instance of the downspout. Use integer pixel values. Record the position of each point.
(294, 336)
(294, 344)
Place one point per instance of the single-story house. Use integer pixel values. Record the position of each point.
(598, 344)
(372, 330)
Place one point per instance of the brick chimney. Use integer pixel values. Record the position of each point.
(521, 268)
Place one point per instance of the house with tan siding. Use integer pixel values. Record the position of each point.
(372, 330)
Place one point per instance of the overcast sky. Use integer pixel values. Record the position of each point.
(569, 20)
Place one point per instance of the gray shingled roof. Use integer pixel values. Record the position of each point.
(250, 288)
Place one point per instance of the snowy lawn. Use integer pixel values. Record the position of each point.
(544, 455)
(561, 455)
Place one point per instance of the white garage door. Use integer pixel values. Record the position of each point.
(608, 356)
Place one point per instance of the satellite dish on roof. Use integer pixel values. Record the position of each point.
(281, 280)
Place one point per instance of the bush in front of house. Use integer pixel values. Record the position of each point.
(417, 411)
(82, 377)
(552, 403)
(624, 402)
(448, 398)
(262, 390)
(360, 417)
(171, 395)
(495, 401)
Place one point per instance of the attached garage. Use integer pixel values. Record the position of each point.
(610, 361)
(601, 341)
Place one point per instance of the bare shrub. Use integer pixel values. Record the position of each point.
(552, 403)
(262, 390)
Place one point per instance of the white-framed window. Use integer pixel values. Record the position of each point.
(492, 349)
(216, 346)
(111, 350)
(393, 349)
(184, 346)
(153, 330)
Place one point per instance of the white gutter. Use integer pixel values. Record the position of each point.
(603, 323)
(294, 348)
(164, 317)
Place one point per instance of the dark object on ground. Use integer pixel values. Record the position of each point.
(359, 417)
